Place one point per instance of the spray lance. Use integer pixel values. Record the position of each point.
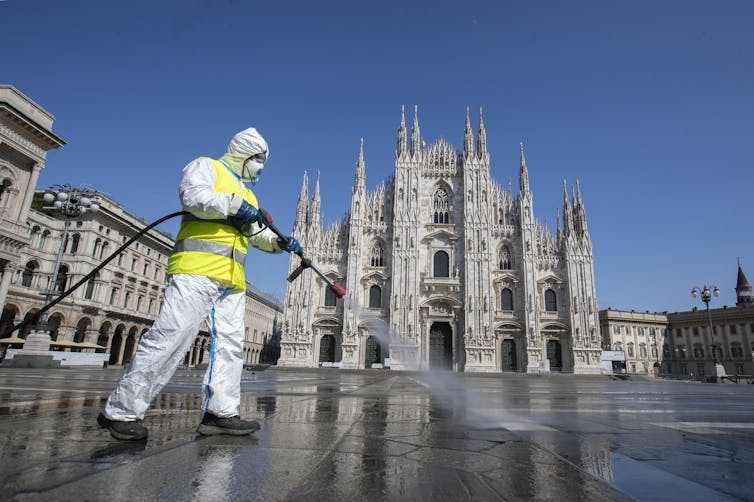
(306, 262)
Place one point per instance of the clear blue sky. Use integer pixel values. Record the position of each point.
(649, 104)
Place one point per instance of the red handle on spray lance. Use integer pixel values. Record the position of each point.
(339, 291)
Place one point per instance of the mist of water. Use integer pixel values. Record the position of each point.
(445, 386)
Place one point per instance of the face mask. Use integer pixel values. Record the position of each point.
(252, 169)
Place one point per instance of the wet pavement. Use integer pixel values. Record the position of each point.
(381, 435)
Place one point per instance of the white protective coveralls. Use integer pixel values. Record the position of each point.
(190, 299)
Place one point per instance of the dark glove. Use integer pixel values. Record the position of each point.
(291, 245)
(249, 213)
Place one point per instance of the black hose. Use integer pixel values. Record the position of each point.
(34, 317)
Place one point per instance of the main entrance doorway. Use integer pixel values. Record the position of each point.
(509, 355)
(327, 349)
(441, 346)
(554, 355)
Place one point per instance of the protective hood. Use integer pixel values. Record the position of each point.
(243, 145)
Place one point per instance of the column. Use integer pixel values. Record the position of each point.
(7, 273)
(29, 195)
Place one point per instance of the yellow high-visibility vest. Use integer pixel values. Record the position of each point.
(214, 248)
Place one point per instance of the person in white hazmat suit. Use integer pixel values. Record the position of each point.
(205, 282)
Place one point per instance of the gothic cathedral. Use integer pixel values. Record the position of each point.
(444, 269)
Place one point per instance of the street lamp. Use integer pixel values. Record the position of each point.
(706, 295)
(71, 202)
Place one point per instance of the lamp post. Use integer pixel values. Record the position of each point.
(706, 295)
(71, 202)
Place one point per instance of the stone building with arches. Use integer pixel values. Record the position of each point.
(444, 268)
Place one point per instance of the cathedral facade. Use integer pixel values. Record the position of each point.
(444, 269)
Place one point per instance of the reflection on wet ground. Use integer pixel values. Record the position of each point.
(332, 435)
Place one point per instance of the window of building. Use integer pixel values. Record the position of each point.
(654, 351)
(75, 243)
(375, 297)
(739, 369)
(700, 370)
(441, 264)
(678, 333)
(113, 295)
(698, 351)
(34, 235)
(551, 301)
(376, 255)
(642, 350)
(441, 207)
(696, 331)
(89, 293)
(505, 262)
(146, 269)
(134, 261)
(736, 350)
(618, 346)
(641, 331)
(681, 351)
(630, 349)
(28, 274)
(151, 305)
(43, 239)
(127, 299)
(4, 186)
(139, 301)
(506, 299)
(62, 279)
(120, 259)
(616, 330)
(732, 329)
(330, 298)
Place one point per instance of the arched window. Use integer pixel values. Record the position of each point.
(43, 239)
(34, 236)
(376, 255)
(551, 301)
(28, 274)
(103, 252)
(4, 186)
(330, 298)
(504, 260)
(96, 250)
(375, 297)
(630, 347)
(441, 207)
(75, 243)
(90, 288)
(506, 299)
(62, 279)
(441, 264)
